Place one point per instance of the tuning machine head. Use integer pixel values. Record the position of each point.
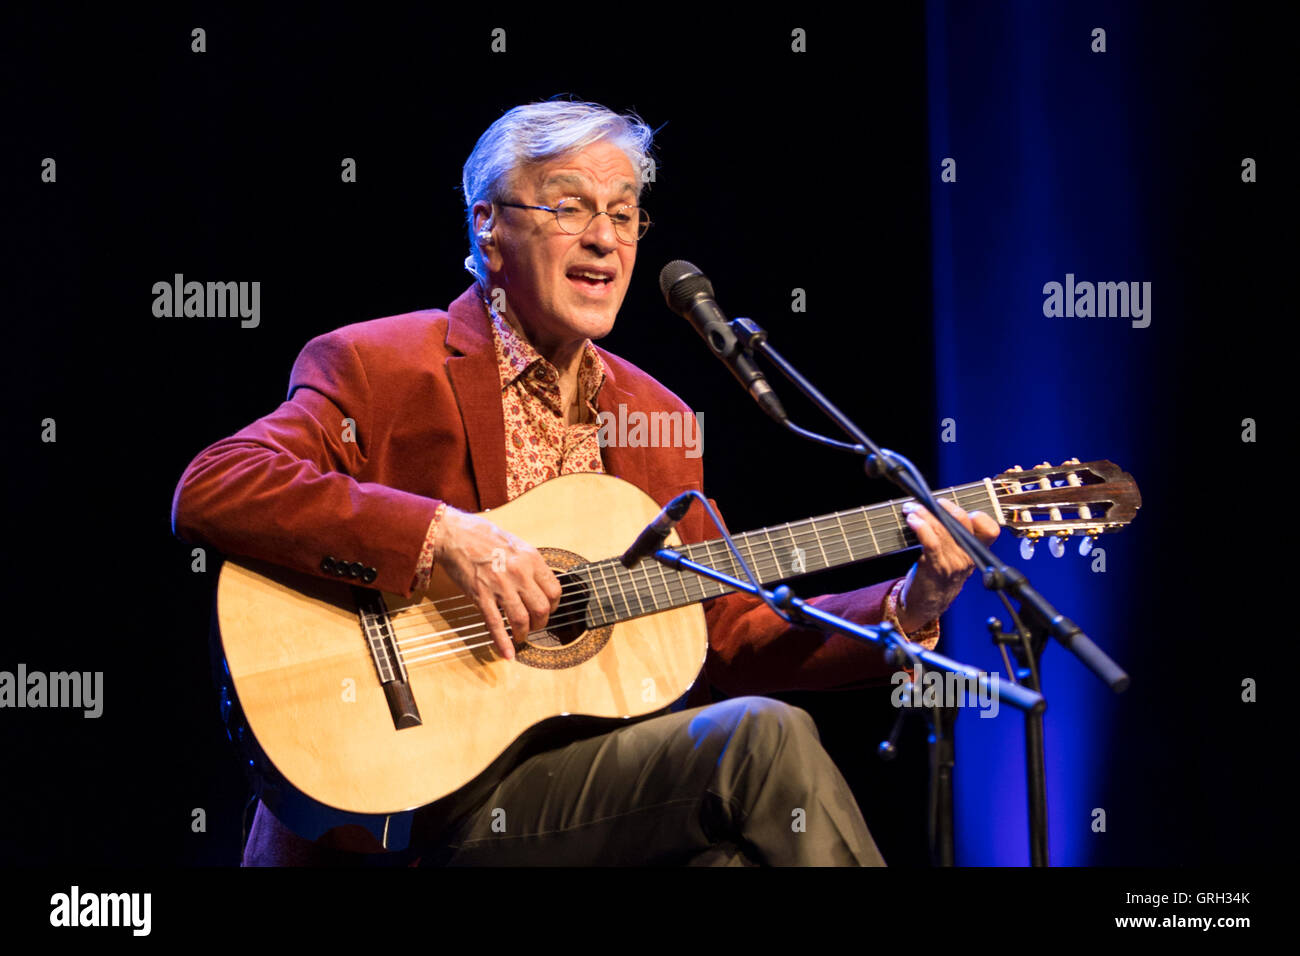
(1028, 543)
(1089, 539)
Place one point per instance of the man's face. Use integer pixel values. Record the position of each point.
(546, 273)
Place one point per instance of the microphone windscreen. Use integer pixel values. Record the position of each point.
(680, 282)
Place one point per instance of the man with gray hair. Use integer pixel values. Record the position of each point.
(465, 409)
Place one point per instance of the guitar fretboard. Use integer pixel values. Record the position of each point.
(774, 554)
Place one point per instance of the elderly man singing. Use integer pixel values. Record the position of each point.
(460, 411)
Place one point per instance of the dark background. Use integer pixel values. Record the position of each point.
(775, 171)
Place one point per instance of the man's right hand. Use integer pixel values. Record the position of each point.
(499, 572)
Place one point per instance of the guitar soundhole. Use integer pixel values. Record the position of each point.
(566, 640)
(570, 616)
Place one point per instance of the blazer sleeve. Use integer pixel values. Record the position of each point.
(752, 651)
(287, 489)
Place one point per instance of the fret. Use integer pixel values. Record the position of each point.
(737, 571)
(663, 576)
(607, 608)
(714, 587)
(710, 586)
(896, 511)
(794, 558)
(770, 556)
(593, 612)
(755, 565)
(780, 554)
(866, 515)
(996, 507)
(614, 569)
(707, 584)
(844, 534)
(706, 559)
(635, 589)
(709, 561)
(651, 587)
(611, 568)
(690, 583)
(955, 494)
(826, 561)
(776, 558)
(732, 566)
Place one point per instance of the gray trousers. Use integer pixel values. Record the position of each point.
(745, 782)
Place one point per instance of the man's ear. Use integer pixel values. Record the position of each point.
(484, 223)
(482, 215)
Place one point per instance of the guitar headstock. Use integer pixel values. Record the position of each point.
(1060, 501)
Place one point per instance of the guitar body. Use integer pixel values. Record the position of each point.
(307, 681)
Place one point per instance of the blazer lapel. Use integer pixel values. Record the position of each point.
(626, 462)
(477, 384)
(474, 378)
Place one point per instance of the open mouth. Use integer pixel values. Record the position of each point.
(592, 280)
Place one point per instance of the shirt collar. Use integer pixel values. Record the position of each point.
(516, 358)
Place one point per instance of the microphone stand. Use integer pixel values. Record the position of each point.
(1036, 621)
(895, 645)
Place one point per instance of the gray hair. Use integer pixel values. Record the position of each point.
(535, 133)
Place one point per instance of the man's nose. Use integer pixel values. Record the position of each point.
(600, 232)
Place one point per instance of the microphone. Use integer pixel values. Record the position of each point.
(690, 295)
(652, 538)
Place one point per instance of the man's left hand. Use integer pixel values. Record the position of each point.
(937, 578)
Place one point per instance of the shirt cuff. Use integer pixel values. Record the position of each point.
(424, 567)
(927, 636)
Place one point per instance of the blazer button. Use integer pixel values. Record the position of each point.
(369, 575)
(341, 568)
(327, 564)
(355, 569)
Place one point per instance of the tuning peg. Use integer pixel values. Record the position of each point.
(1071, 461)
(1085, 546)
(1027, 548)
(1056, 546)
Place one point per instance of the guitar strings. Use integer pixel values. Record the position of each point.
(865, 512)
(625, 579)
(469, 632)
(976, 491)
(1002, 487)
(835, 555)
(463, 647)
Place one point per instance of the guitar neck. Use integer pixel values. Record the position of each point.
(773, 554)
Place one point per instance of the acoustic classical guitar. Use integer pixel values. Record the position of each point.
(375, 704)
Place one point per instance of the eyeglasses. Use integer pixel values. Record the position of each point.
(574, 216)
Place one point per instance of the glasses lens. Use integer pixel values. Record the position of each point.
(571, 215)
(630, 223)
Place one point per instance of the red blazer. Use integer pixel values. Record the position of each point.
(424, 394)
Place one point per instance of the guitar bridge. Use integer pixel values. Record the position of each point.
(378, 631)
